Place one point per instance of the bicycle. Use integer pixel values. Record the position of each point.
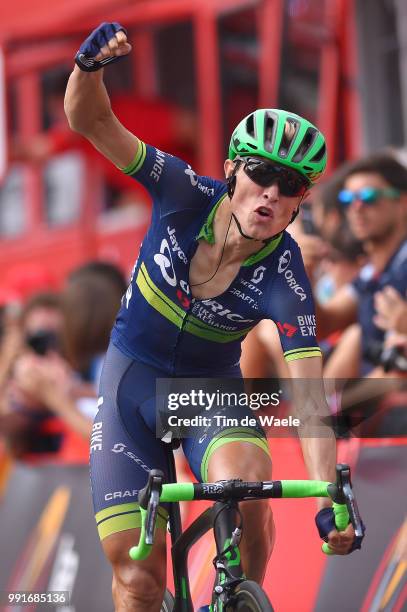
(232, 591)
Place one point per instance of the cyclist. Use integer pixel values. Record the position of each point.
(215, 260)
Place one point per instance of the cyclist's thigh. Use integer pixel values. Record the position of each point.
(220, 433)
(124, 447)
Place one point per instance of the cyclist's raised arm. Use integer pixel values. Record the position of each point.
(87, 103)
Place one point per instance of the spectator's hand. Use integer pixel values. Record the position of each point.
(391, 310)
(42, 378)
(11, 344)
(398, 340)
(313, 250)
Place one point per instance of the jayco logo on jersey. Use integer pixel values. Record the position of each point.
(175, 246)
(283, 268)
(258, 275)
(163, 259)
(209, 191)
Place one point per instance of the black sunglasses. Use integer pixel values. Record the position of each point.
(263, 173)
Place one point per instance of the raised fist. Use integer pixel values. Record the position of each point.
(107, 43)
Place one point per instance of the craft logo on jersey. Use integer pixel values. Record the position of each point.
(163, 259)
(258, 275)
(283, 268)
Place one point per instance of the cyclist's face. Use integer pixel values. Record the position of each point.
(262, 211)
(376, 220)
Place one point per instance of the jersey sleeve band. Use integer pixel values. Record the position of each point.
(138, 160)
(302, 353)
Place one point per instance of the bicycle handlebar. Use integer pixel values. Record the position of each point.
(341, 493)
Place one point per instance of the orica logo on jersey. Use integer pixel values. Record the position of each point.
(209, 191)
(163, 259)
(283, 268)
(284, 261)
(258, 275)
(192, 176)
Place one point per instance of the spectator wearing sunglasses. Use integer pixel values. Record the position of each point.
(374, 198)
(215, 261)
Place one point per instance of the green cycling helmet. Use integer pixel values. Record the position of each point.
(285, 138)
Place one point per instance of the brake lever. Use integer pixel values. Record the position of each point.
(344, 484)
(152, 510)
(149, 498)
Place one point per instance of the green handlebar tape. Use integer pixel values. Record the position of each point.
(326, 549)
(341, 521)
(304, 488)
(142, 550)
(341, 516)
(177, 491)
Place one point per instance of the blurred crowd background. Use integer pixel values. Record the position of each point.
(71, 223)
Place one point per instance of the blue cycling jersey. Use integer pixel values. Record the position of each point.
(161, 324)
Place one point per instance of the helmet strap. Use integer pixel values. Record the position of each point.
(231, 179)
(239, 227)
(295, 213)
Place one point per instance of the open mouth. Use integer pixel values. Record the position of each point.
(263, 211)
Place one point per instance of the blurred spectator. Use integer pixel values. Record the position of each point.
(374, 197)
(91, 300)
(344, 258)
(391, 311)
(39, 387)
(51, 359)
(320, 221)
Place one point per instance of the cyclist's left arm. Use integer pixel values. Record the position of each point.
(316, 435)
(318, 445)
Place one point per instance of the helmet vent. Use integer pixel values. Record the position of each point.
(318, 155)
(269, 131)
(305, 145)
(290, 130)
(250, 126)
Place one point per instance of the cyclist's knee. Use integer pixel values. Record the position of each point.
(240, 459)
(134, 586)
